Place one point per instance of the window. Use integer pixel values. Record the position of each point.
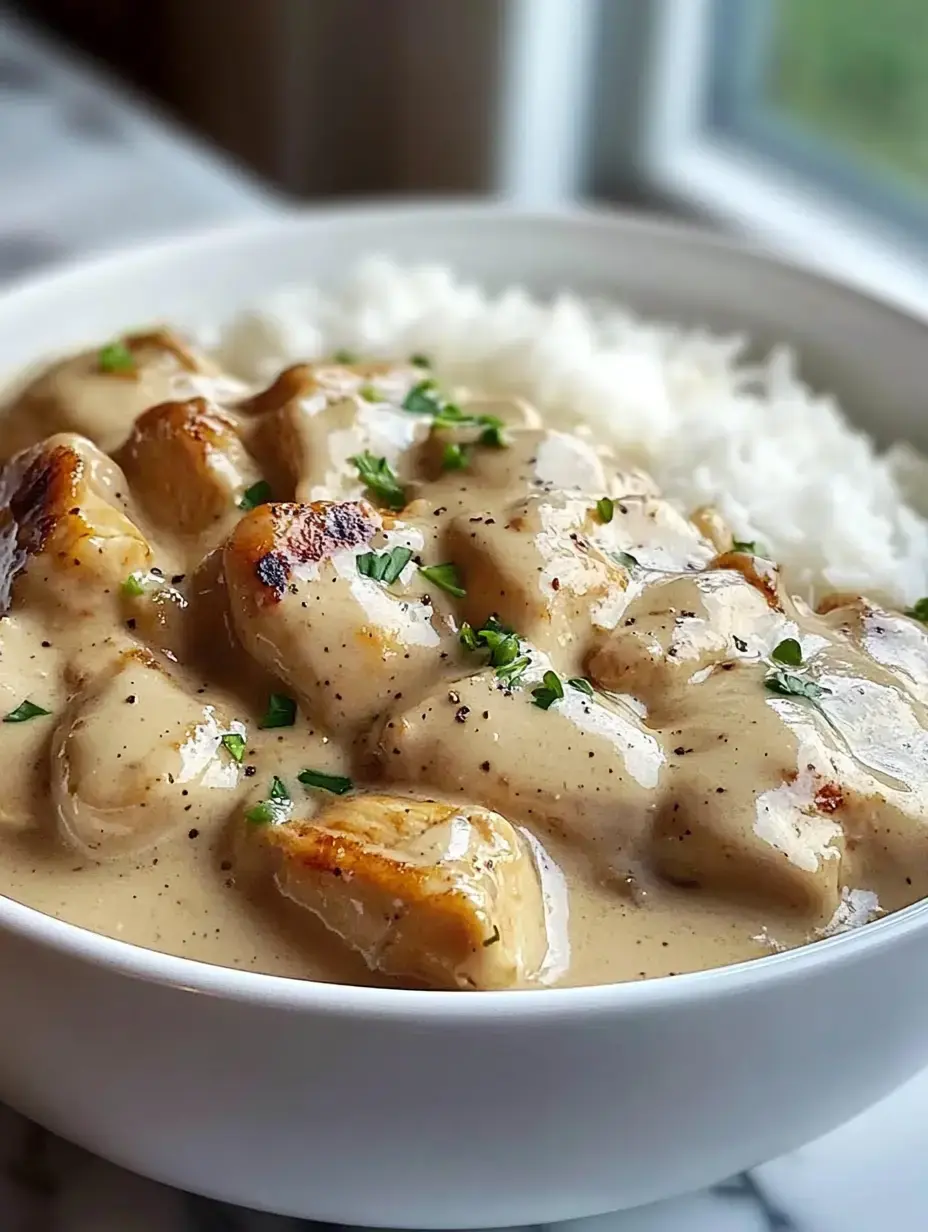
(802, 121)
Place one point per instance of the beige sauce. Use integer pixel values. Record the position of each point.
(694, 800)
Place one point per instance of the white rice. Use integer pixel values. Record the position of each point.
(779, 461)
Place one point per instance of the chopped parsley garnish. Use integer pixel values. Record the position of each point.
(116, 358)
(420, 361)
(133, 586)
(789, 685)
(258, 494)
(24, 711)
(423, 399)
(748, 546)
(369, 393)
(345, 357)
(511, 673)
(468, 638)
(336, 783)
(581, 684)
(605, 507)
(789, 652)
(275, 808)
(426, 399)
(549, 691)
(504, 646)
(384, 567)
(281, 712)
(919, 611)
(378, 477)
(454, 457)
(492, 435)
(446, 576)
(625, 559)
(234, 744)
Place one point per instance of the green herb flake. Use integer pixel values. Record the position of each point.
(605, 507)
(748, 546)
(25, 711)
(625, 559)
(116, 358)
(468, 637)
(384, 567)
(548, 692)
(345, 357)
(423, 399)
(281, 712)
(788, 685)
(454, 458)
(258, 494)
(919, 611)
(369, 393)
(789, 652)
(133, 586)
(338, 784)
(420, 361)
(274, 809)
(234, 744)
(379, 479)
(581, 684)
(492, 435)
(492, 940)
(511, 673)
(445, 576)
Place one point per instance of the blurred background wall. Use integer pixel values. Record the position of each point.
(801, 122)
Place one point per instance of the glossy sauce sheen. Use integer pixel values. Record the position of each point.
(696, 797)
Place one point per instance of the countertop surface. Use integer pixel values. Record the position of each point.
(84, 167)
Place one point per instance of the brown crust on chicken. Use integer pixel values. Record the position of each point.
(762, 574)
(294, 382)
(38, 488)
(187, 463)
(277, 538)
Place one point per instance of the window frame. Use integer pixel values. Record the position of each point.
(673, 148)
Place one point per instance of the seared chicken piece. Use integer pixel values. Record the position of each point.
(314, 419)
(131, 753)
(65, 534)
(680, 625)
(587, 768)
(99, 393)
(188, 466)
(344, 642)
(749, 808)
(533, 566)
(442, 894)
(896, 641)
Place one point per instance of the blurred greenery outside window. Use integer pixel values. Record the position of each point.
(835, 90)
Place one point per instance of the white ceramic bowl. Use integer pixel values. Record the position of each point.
(425, 1109)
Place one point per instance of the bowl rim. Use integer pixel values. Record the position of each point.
(422, 1005)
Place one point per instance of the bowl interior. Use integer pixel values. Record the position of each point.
(872, 357)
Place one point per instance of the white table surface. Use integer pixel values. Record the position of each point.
(82, 167)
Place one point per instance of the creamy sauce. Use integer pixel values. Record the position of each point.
(725, 772)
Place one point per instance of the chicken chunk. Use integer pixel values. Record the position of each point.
(534, 567)
(98, 394)
(301, 606)
(66, 536)
(587, 768)
(314, 419)
(680, 625)
(135, 758)
(891, 639)
(443, 894)
(188, 466)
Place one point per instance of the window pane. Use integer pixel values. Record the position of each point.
(855, 72)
